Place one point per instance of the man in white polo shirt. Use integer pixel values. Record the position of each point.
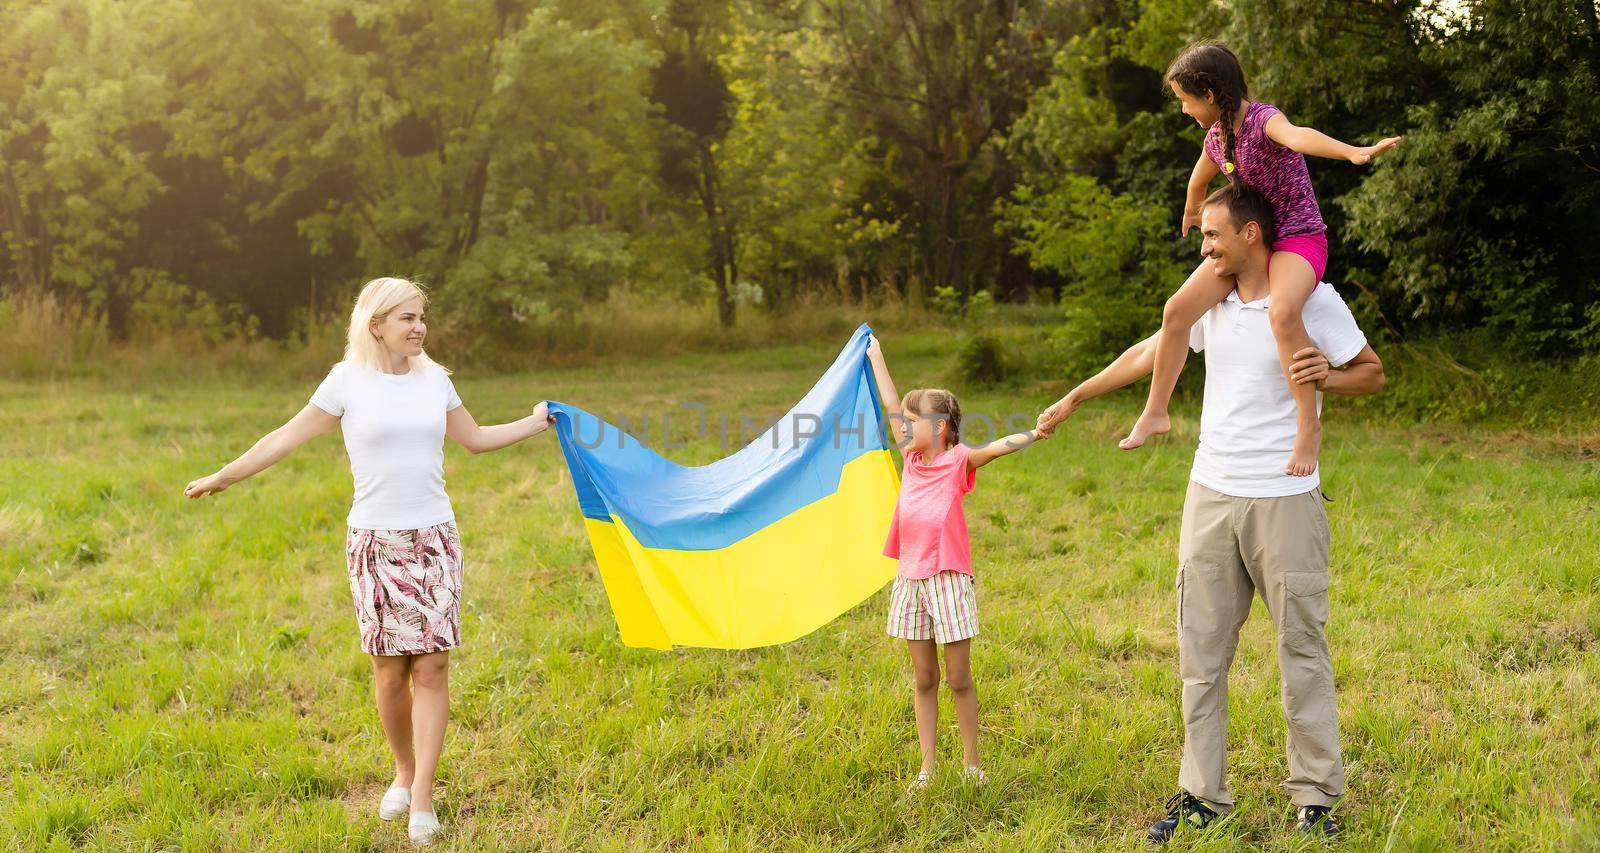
(1247, 526)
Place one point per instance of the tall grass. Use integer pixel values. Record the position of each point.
(629, 326)
(43, 336)
(41, 333)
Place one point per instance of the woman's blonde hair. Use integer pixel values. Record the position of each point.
(379, 297)
(939, 404)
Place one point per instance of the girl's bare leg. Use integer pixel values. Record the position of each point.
(925, 668)
(1203, 290)
(1291, 280)
(958, 670)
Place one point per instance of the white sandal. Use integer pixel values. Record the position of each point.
(921, 783)
(396, 803)
(424, 827)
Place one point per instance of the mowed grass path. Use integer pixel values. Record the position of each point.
(187, 675)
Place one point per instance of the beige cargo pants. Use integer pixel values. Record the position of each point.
(1229, 549)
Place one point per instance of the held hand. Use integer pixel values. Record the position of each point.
(873, 347)
(1310, 365)
(1059, 411)
(541, 413)
(204, 486)
(1363, 156)
(1191, 219)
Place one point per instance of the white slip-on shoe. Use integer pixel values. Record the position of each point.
(396, 804)
(424, 827)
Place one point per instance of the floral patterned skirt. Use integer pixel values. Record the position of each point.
(407, 588)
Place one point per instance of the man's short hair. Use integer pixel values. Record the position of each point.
(1246, 205)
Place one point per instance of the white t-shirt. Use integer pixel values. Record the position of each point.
(394, 432)
(1247, 421)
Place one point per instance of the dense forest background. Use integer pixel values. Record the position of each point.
(237, 169)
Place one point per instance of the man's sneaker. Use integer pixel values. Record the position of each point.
(1317, 820)
(1183, 809)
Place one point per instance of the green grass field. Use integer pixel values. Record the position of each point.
(178, 675)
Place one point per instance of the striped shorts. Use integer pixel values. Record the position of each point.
(943, 608)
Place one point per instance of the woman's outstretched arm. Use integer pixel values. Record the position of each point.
(464, 430)
(308, 424)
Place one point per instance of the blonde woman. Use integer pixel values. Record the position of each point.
(395, 405)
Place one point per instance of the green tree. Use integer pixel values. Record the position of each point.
(791, 168)
(692, 92)
(933, 85)
(1103, 156)
(77, 101)
(1486, 217)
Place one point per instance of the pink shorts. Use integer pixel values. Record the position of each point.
(1312, 247)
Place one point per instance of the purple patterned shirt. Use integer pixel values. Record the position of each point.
(1276, 172)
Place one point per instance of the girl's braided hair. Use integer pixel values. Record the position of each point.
(1210, 66)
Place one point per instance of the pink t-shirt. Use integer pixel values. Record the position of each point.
(929, 531)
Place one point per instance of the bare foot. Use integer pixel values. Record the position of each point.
(1147, 425)
(1307, 444)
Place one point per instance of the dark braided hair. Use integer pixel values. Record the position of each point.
(1210, 66)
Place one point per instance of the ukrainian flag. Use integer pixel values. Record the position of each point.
(757, 548)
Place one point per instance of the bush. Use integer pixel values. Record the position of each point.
(947, 303)
(982, 360)
(160, 305)
(1464, 379)
(1094, 331)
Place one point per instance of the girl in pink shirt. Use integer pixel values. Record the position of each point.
(933, 602)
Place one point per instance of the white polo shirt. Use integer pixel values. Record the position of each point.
(1247, 420)
(394, 432)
